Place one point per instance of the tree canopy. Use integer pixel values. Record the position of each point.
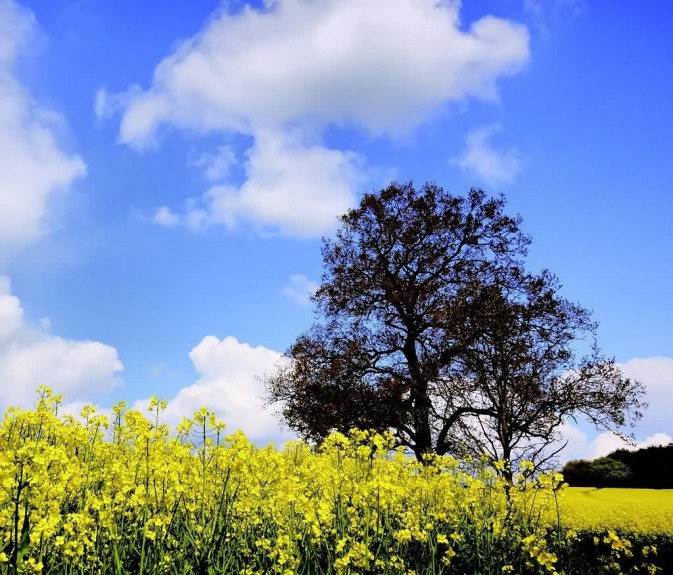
(430, 326)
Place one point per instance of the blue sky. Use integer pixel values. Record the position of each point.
(167, 171)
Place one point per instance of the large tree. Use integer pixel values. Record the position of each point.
(415, 285)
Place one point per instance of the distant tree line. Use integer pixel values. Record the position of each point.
(644, 468)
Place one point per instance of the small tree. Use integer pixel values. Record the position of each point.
(601, 472)
(419, 288)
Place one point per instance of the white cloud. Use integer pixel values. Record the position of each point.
(30, 357)
(230, 385)
(480, 158)
(299, 66)
(194, 216)
(656, 426)
(291, 187)
(656, 373)
(16, 29)
(164, 216)
(374, 63)
(216, 165)
(32, 167)
(75, 368)
(580, 446)
(106, 105)
(103, 107)
(11, 312)
(300, 289)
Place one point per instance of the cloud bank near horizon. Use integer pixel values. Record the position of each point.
(30, 356)
(230, 383)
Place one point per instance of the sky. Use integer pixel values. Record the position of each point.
(168, 170)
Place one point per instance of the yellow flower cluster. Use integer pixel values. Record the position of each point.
(126, 496)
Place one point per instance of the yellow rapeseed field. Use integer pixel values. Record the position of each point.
(90, 496)
(633, 510)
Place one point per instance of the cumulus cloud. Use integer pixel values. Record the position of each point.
(32, 166)
(216, 165)
(194, 215)
(295, 188)
(106, 105)
(230, 384)
(30, 357)
(656, 373)
(482, 159)
(581, 446)
(300, 289)
(298, 66)
(292, 188)
(164, 216)
(655, 428)
(11, 312)
(374, 63)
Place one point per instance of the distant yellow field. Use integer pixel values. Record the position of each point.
(637, 510)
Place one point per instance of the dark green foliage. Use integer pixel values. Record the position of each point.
(650, 467)
(602, 472)
(610, 472)
(645, 468)
(578, 473)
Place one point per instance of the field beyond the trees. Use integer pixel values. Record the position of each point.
(635, 510)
